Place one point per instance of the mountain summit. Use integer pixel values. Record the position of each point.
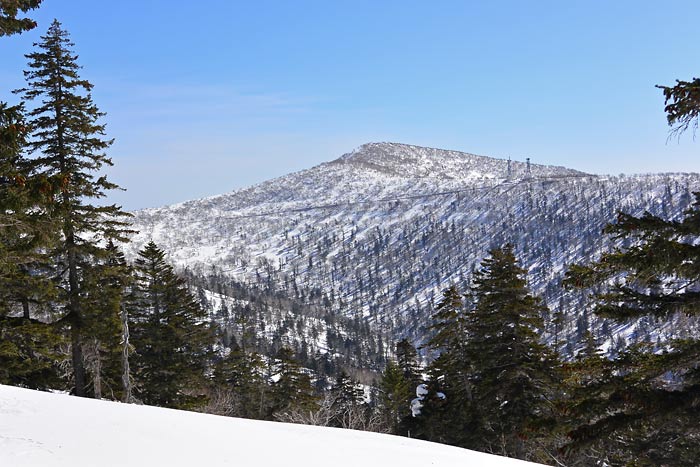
(375, 171)
(408, 161)
(378, 233)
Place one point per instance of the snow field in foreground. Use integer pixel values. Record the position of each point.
(47, 430)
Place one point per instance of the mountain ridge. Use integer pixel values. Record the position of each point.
(377, 233)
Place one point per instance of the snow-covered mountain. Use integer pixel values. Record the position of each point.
(376, 234)
(57, 430)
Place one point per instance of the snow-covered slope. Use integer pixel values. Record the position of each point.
(55, 430)
(379, 232)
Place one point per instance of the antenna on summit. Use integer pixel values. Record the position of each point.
(528, 170)
(509, 170)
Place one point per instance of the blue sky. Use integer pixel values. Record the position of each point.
(206, 97)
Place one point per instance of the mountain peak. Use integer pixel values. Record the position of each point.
(408, 161)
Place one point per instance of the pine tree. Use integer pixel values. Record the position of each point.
(68, 146)
(291, 388)
(513, 374)
(682, 105)
(649, 410)
(9, 22)
(28, 345)
(239, 375)
(169, 333)
(397, 389)
(106, 285)
(449, 420)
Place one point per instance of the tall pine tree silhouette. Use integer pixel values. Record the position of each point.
(68, 144)
(514, 376)
(170, 334)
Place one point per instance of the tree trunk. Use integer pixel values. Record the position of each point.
(75, 318)
(126, 375)
(97, 371)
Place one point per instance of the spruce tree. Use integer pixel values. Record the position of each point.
(398, 387)
(169, 333)
(450, 420)
(513, 373)
(28, 342)
(239, 375)
(649, 407)
(68, 145)
(9, 11)
(292, 389)
(106, 286)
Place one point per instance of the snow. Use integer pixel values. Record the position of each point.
(393, 215)
(55, 430)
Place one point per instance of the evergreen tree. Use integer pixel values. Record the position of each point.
(68, 146)
(291, 388)
(397, 389)
(682, 105)
(395, 397)
(106, 285)
(407, 360)
(513, 374)
(9, 22)
(240, 375)
(346, 401)
(449, 420)
(649, 409)
(169, 333)
(28, 345)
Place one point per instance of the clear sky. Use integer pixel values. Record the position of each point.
(205, 97)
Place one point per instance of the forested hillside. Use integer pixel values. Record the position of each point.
(377, 234)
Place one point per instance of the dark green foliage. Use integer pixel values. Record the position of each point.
(239, 375)
(105, 287)
(29, 353)
(28, 346)
(644, 406)
(291, 388)
(407, 361)
(24, 227)
(451, 420)
(169, 333)
(513, 373)
(398, 387)
(9, 22)
(498, 379)
(655, 276)
(396, 392)
(622, 412)
(68, 147)
(682, 105)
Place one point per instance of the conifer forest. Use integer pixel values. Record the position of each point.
(512, 308)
